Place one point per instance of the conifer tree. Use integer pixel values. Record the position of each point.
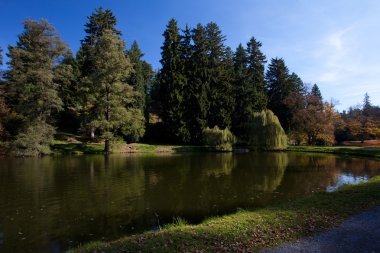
(172, 83)
(32, 91)
(111, 94)
(67, 75)
(140, 79)
(315, 97)
(316, 92)
(141, 76)
(198, 101)
(242, 111)
(98, 23)
(136, 79)
(278, 89)
(186, 49)
(256, 61)
(249, 86)
(218, 70)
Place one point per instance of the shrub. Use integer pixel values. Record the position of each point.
(134, 126)
(34, 141)
(266, 132)
(221, 140)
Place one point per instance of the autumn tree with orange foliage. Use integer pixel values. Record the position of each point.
(317, 120)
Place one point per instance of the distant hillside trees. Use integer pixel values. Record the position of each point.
(360, 123)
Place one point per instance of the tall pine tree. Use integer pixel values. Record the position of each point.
(140, 79)
(172, 84)
(278, 89)
(136, 79)
(218, 70)
(111, 94)
(67, 75)
(98, 23)
(249, 86)
(256, 76)
(198, 100)
(32, 91)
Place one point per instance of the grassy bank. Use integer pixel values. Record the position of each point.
(98, 148)
(352, 151)
(251, 230)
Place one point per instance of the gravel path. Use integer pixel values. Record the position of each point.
(360, 233)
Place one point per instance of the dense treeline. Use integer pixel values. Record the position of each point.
(204, 89)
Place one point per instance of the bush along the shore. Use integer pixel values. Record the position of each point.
(219, 139)
(34, 141)
(266, 132)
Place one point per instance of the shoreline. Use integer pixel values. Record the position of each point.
(79, 148)
(252, 230)
(136, 148)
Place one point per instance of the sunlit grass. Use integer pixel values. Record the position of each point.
(354, 151)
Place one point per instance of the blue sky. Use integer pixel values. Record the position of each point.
(335, 44)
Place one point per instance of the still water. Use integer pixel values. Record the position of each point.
(56, 203)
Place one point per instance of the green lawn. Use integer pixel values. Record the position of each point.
(352, 151)
(62, 147)
(251, 230)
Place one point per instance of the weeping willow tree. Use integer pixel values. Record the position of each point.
(266, 132)
(221, 140)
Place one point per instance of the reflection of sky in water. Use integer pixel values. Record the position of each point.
(346, 178)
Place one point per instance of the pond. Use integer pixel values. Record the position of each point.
(52, 204)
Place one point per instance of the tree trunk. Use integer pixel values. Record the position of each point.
(92, 133)
(107, 146)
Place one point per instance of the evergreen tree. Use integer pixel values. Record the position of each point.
(256, 61)
(243, 100)
(98, 23)
(218, 73)
(172, 83)
(32, 91)
(249, 85)
(315, 97)
(316, 92)
(111, 94)
(141, 80)
(278, 89)
(295, 103)
(186, 49)
(198, 101)
(136, 79)
(366, 103)
(67, 75)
